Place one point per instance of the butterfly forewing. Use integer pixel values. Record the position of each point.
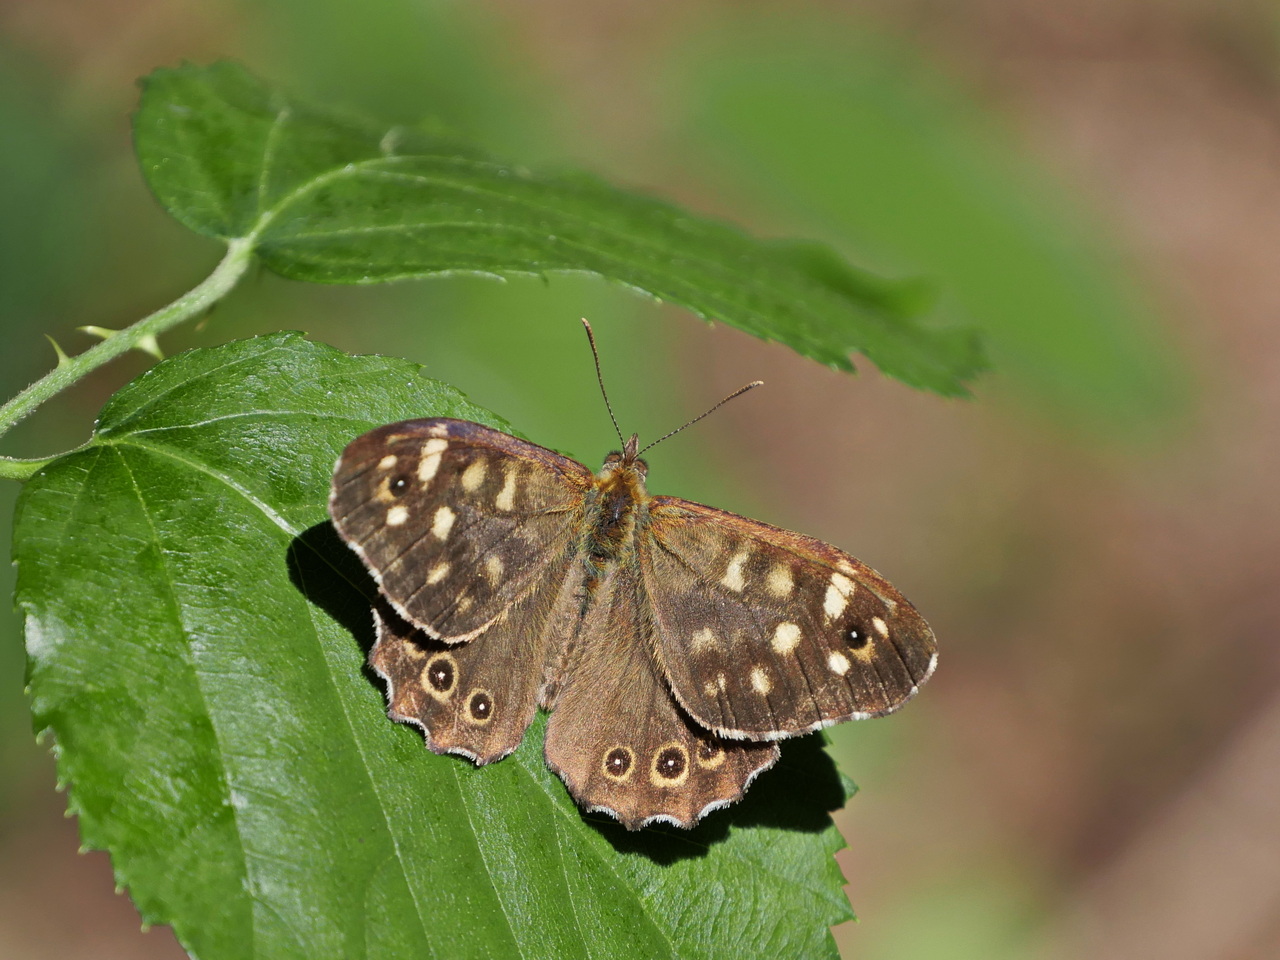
(764, 633)
(455, 520)
(617, 737)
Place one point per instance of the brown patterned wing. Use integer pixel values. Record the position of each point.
(456, 521)
(764, 633)
(476, 699)
(617, 737)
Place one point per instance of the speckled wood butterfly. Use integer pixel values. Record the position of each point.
(674, 643)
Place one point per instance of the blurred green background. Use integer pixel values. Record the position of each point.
(1093, 771)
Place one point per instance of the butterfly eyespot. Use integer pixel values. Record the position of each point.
(671, 763)
(398, 485)
(480, 707)
(617, 763)
(440, 674)
(710, 754)
(856, 637)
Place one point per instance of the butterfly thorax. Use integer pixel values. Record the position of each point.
(612, 507)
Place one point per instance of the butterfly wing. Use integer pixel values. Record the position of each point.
(476, 699)
(617, 737)
(456, 521)
(764, 633)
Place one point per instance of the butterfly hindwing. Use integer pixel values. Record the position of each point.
(618, 738)
(455, 520)
(476, 699)
(764, 633)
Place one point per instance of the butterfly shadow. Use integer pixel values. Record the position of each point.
(797, 793)
(328, 574)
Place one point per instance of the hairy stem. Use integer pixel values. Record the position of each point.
(191, 304)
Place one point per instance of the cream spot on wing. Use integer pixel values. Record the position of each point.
(438, 573)
(443, 523)
(473, 476)
(387, 462)
(506, 499)
(493, 567)
(760, 682)
(704, 639)
(439, 430)
(722, 682)
(733, 578)
(710, 688)
(464, 604)
(838, 663)
(432, 452)
(846, 566)
(397, 515)
(786, 638)
(780, 581)
(837, 597)
(881, 627)
(834, 603)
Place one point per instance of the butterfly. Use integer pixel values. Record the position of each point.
(673, 643)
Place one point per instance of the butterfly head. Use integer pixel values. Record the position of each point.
(626, 465)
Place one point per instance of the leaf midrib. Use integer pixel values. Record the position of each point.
(355, 170)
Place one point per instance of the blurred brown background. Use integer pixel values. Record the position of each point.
(1094, 771)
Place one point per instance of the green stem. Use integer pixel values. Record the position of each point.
(13, 468)
(191, 304)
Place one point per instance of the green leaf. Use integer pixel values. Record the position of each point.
(338, 201)
(196, 637)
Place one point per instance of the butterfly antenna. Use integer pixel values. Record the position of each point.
(595, 355)
(733, 396)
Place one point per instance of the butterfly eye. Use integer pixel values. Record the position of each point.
(617, 763)
(480, 707)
